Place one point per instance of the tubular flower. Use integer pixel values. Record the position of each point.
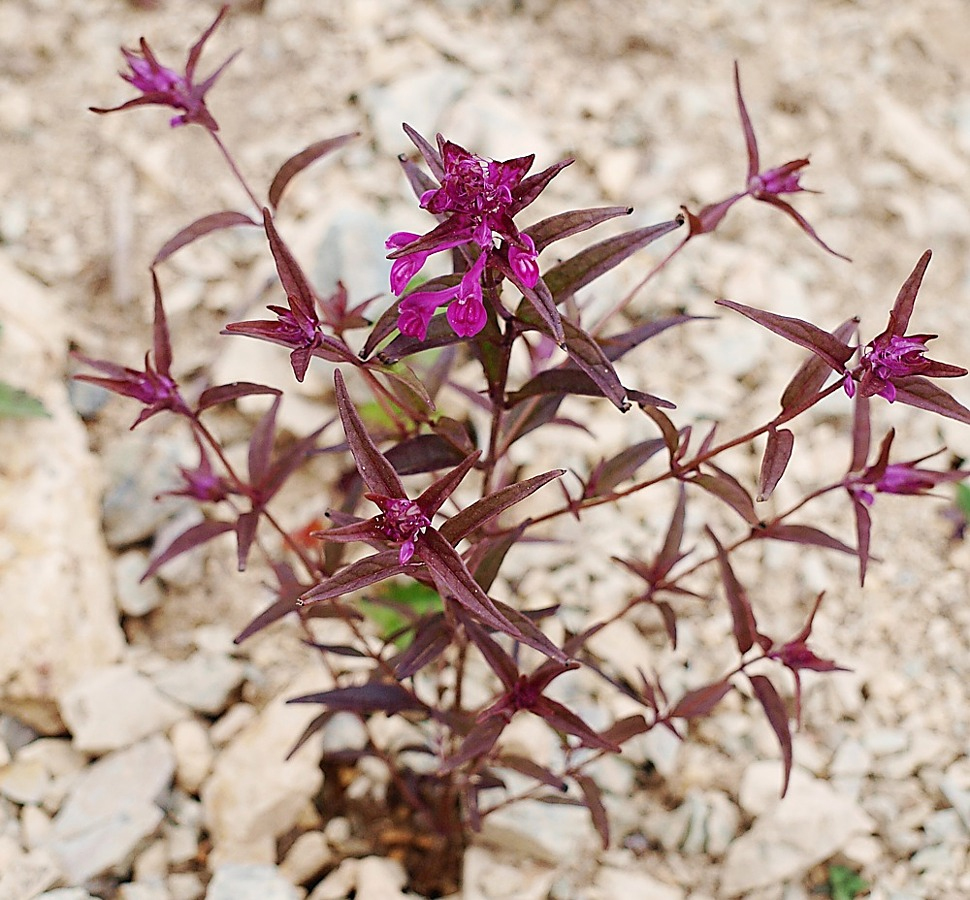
(162, 86)
(476, 200)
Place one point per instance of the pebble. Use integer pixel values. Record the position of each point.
(24, 781)
(203, 682)
(549, 832)
(487, 876)
(114, 707)
(194, 754)
(614, 883)
(111, 809)
(134, 596)
(309, 855)
(242, 881)
(255, 794)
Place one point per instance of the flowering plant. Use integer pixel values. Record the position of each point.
(500, 303)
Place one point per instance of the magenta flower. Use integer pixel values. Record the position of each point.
(154, 386)
(894, 355)
(766, 186)
(162, 86)
(401, 521)
(476, 200)
(201, 483)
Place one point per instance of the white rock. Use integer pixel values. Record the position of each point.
(255, 794)
(339, 883)
(185, 886)
(193, 754)
(114, 707)
(237, 717)
(111, 809)
(791, 835)
(554, 833)
(66, 894)
(25, 875)
(614, 883)
(35, 827)
(151, 864)
(150, 891)
(307, 858)
(241, 881)
(380, 879)
(61, 762)
(24, 781)
(202, 682)
(486, 877)
(135, 597)
(45, 469)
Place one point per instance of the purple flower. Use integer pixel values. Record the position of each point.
(476, 200)
(466, 312)
(154, 386)
(401, 521)
(164, 87)
(883, 477)
(201, 483)
(893, 354)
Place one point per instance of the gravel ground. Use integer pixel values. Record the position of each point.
(103, 680)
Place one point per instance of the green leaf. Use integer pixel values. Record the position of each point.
(844, 884)
(17, 404)
(412, 594)
(963, 500)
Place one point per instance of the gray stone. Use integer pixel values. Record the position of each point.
(57, 618)
(134, 596)
(24, 875)
(111, 809)
(242, 881)
(115, 707)
(553, 833)
(790, 835)
(202, 682)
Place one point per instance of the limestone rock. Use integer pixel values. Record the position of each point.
(238, 881)
(115, 707)
(57, 619)
(111, 809)
(254, 793)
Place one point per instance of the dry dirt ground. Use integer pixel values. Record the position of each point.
(641, 95)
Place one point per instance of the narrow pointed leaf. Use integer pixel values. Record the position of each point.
(777, 714)
(440, 490)
(297, 163)
(593, 798)
(672, 437)
(261, 443)
(626, 728)
(225, 393)
(375, 696)
(423, 453)
(477, 743)
(565, 720)
(923, 394)
(618, 345)
(356, 576)
(532, 185)
(906, 298)
(377, 472)
(624, 465)
(727, 488)
(587, 354)
(575, 273)
(863, 527)
(804, 534)
(750, 141)
(419, 180)
(485, 558)
(498, 660)
(814, 372)
(188, 540)
(430, 154)
(564, 225)
(670, 553)
(778, 451)
(805, 334)
(543, 303)
(200, 228)
(527, 767)
(475, 516)
(299, 294)
(700, 701)
(431, 638)
(245, 535)
(742, 615)
(861, 432)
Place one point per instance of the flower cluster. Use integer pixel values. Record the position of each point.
(476, 199)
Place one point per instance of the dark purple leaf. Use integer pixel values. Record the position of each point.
(431, 639)
(527, 767)
(861, 432)
(485, 558)
(745, 630)
(803, 534)
(565, 720)
(777, 714)
(587, 354)
(575, 273)
(293, 457)
(375, 696)
(826, 346)
(727, 488)
(906, 298)
(530, 187)
(618, 345)
(672, 437)
(431, 156)
(670, 553)
(566, 224)
(261, 443)
(814, 372)
(442, 488)
(700, 701)
(594, 803)
(161, 343)
(276, 610)
(477, 743)
(545, 306)
(245, 534)
(200, 228)
(863, 526)
(423, 453)
(475, 516)
(623, 466)
(188, 540)
(356, 576)
(377, 472)
(316, 724)
(296, 164)
(299, 295)
(498, 660)
(778, 452)
(225, 393)
(923, 394)
(419, 180)
(626, 729)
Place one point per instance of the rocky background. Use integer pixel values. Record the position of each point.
(141, 752)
